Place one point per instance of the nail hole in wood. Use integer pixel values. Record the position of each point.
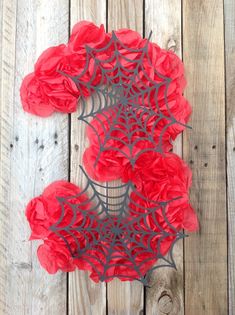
(56, 142)
(23, 265)
(76, 147)
(55, 135)
(16, 138)
(11, 145)
(36, 141)
(191, 161)
(206, 164)
(214, 146)
(41, 146)
(195, 147)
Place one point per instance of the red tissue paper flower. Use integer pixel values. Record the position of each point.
(46, 90)
(44, 211)
(164, 177)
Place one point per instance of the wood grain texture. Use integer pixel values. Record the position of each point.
(166, 295)
(125, 298)
(30, 158)
(85, 296)
(204, 149)
(34, 152)
(229, 14)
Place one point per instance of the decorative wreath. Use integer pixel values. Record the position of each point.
(136, 109)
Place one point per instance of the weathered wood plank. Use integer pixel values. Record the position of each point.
(85, 297)
(166, 295)
(229, 13)
(125, 298)
(30, 158)
(204, 148)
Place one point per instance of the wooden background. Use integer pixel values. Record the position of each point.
(35, 151)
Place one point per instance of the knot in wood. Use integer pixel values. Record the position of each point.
(165, 303)
(171, 45)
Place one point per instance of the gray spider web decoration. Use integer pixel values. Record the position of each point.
(105, 237)
(124, 113)
(126, 99)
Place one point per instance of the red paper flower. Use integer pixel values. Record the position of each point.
(164, 177)
(164, 63)
(85, 34)
(47, 89)
(39, 98)
(43, 212)
(54, 255)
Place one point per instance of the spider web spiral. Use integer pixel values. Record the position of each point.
(127, 113)
(131, 236)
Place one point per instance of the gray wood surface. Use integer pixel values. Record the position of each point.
(166, 296)
(85, 296)
(229, 14)
(204, 148)
(35, 151)
(30, 159)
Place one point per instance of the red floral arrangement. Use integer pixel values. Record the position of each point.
(156, 176)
